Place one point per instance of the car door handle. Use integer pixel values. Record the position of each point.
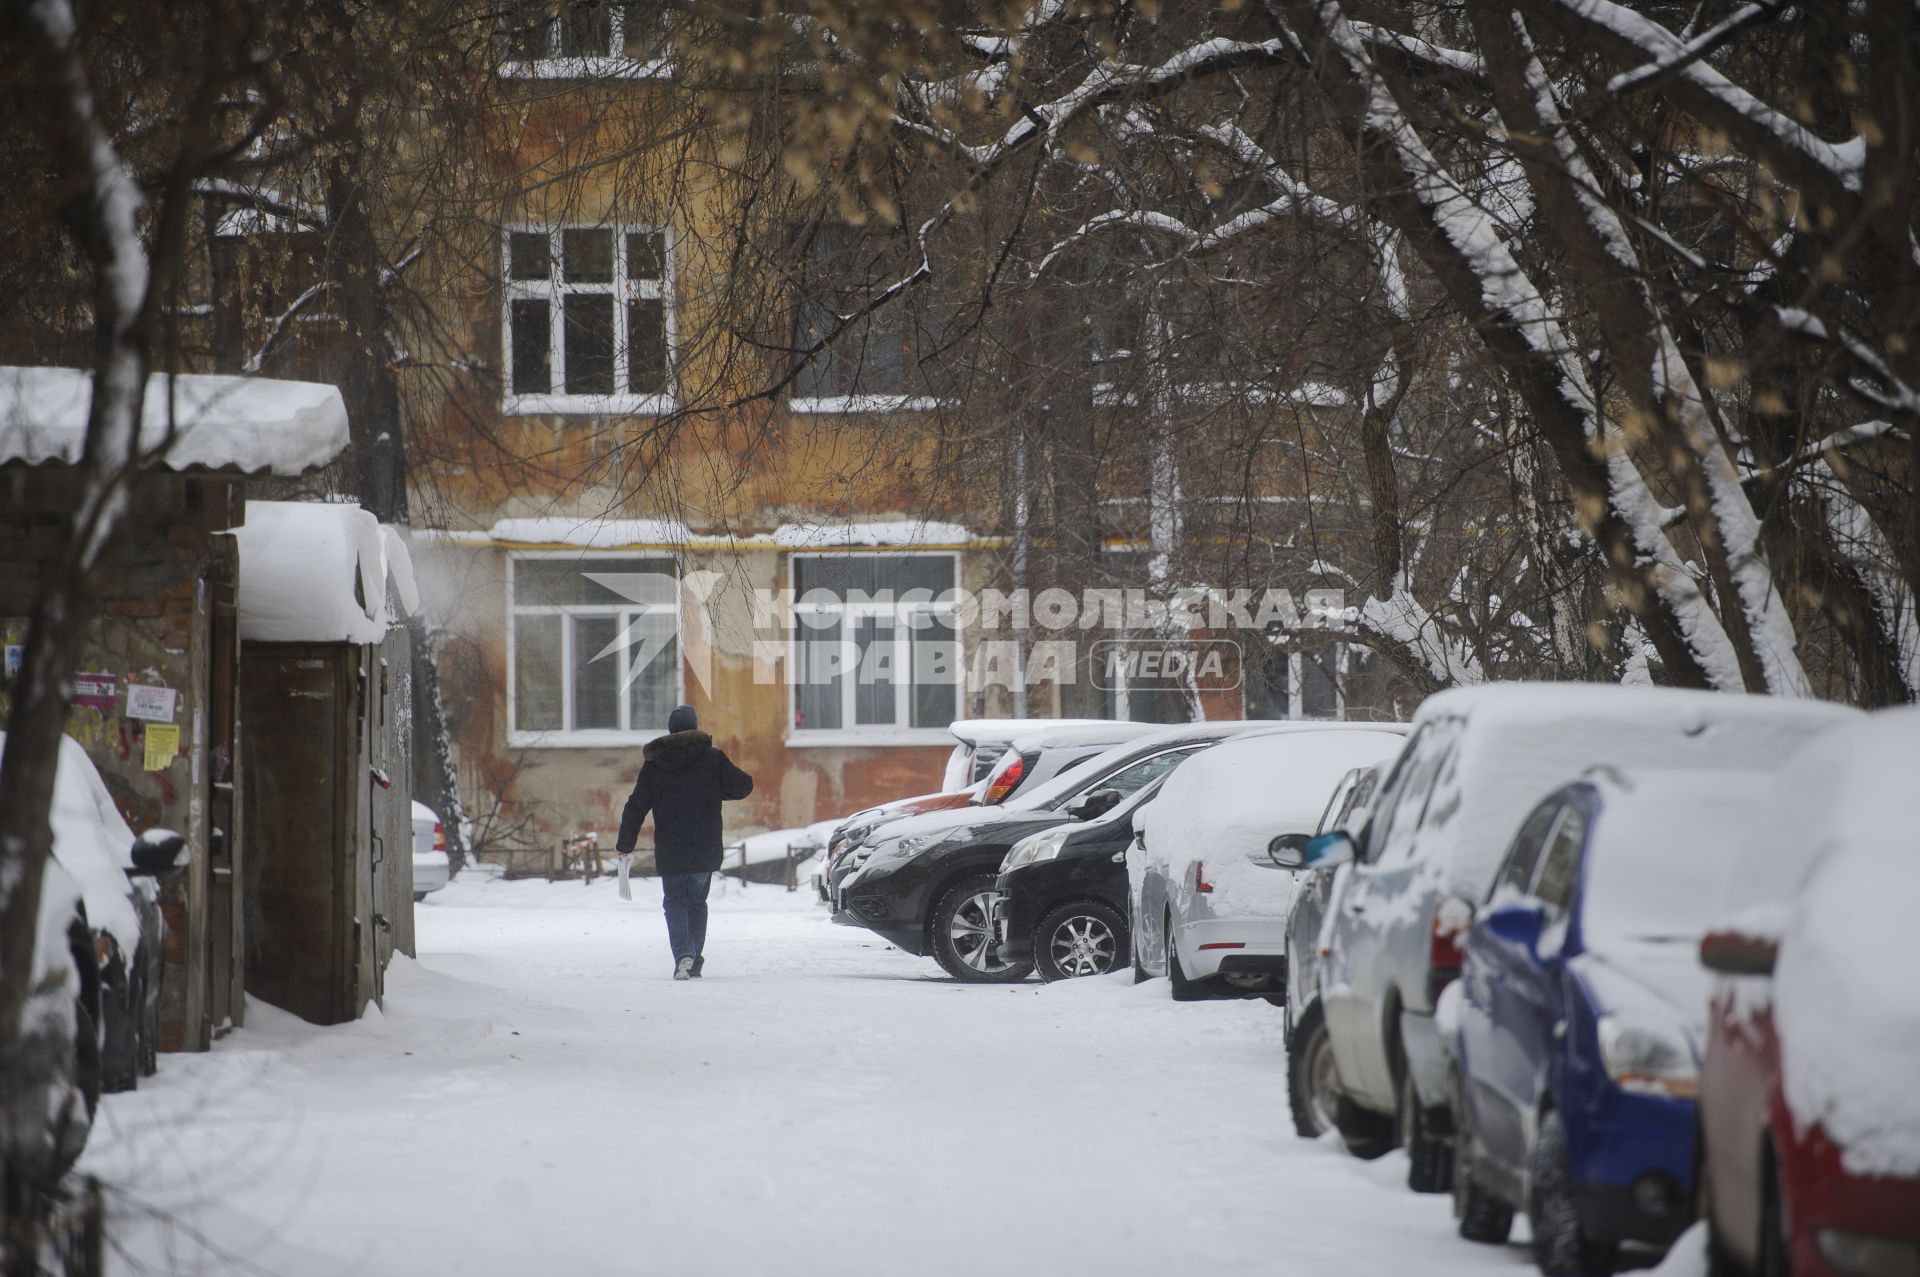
(1356, 908)
(1119, 857)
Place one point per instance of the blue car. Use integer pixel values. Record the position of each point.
(1582, 1010)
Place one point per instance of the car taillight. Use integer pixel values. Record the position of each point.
(102, 949)
(1200, 882)
(1006, 780)
(439, 837)
(1444, 951)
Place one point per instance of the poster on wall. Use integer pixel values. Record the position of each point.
(94, 691)
(152, 703)
(163, 743)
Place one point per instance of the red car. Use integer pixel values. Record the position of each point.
(1809, 1102)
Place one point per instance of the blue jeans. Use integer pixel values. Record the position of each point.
(683, 898)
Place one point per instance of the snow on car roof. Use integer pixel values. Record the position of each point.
(93, 843)
(249, 424)
(1096, 734)
(1841, 861)
(1235, 797)
(1528, 739)
(1663, 850)
(979, 731)
(1847, 1008)
(317, 572)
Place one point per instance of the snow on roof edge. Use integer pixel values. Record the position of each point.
(217, 422)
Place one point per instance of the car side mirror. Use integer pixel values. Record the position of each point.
(1097, 803)
(157, 852)
(1518, 924)
(1286, 851)
(1737, 953)
(1329, 850)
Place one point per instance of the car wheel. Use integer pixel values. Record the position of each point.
(1561, 1246)
(1079, 940)
(149, 1025)
(1479, 1215)
(963, 940)
(1429, 1159)
(1183, 989)
(1776, 1246)
(1366, 1134)
(120, 1038)
(1313, 1086)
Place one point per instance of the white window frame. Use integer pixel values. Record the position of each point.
(900, 731)
(566, 736)
(1296, 687)
(847, 404)
(622, 288)
(613, 64)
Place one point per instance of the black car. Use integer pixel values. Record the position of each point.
(931, 891)
(1063, 894)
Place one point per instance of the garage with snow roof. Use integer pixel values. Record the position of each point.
(154, 698)
(325, 691)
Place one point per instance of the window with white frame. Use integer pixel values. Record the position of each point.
(589, 319)
(1308, 683)
(876, 644)
(596, 646)
(874, 364)
(576, 38)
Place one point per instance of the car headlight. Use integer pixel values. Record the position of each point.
(1648, 1056)
(1041, 846)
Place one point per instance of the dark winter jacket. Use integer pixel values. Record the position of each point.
(683, 781)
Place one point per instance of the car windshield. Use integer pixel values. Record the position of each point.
(1112, 773)
(1657, 872)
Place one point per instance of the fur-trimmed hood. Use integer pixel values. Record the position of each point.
(676, 749)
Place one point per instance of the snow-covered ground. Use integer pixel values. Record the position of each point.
(538, 1096)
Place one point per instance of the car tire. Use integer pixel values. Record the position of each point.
(1478, 1214)
(1079, 940)
(1429, 1158)
(1367, 1135)
(120, 1034)
(149, 1027)
(1313, 1090)
(962, 935)
(1775, 1252)
(1183, 989)
(1561, 1247)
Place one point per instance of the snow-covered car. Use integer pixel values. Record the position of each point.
(1581, 1012)
(1040, 756)
(928, 886)
(1209, 902)
(1312, 1086)
(116, 878)
(1030, 759)
(1063, 892)
(1479, 760)
(431, 867)
(983, 740)
(1809, 1111)
(855, 831)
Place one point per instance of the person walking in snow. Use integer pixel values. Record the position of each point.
(683, 780)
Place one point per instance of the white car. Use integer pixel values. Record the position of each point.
(430, 866)
(1209, 905)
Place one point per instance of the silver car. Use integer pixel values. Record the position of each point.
(1479, 759)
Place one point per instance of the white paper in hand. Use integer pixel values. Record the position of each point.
(626, 892)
